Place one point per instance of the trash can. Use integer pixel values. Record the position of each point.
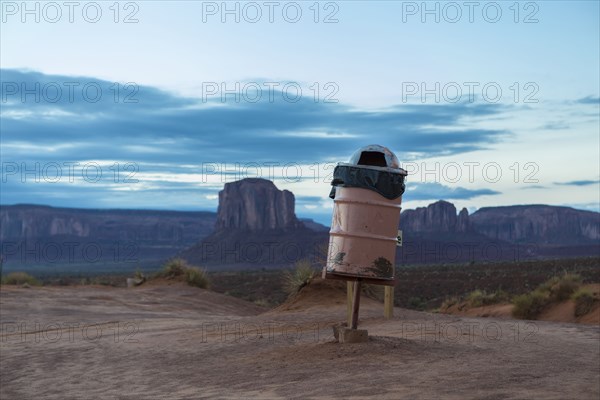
(367, 194)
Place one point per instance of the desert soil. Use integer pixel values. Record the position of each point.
(171, 341)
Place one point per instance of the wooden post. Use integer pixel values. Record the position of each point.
(388, 302)
(355, 304)
(349, 293)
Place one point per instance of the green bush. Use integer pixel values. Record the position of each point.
(195, 276)
(584, 302)
(299, 277)
(530, 305)
(20, 278)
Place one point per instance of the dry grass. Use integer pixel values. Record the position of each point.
(179, 268)
(299, 277)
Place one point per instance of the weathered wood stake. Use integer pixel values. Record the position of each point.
(355, 304)
(349, 295)
(388, 302)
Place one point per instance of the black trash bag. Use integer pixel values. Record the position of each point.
(389, 184)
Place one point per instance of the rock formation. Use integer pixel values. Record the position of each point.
(255, 204)
(256, 227)
(437, 217)
(462, 222)
(537, 223)
(534, 223)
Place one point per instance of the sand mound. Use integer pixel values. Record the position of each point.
(318, 293)
(322, 293)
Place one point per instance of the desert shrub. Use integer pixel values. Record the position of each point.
(555, 289)
(20, 278)
(262, 303)
(195, 276)
(584, 301)
(174, 268)
(299, 277)
(449, 302)
(478, 298)
(530, 305)
(416, 303)
(179, 268)
(565, 287)
(139, 274)
(560, 288)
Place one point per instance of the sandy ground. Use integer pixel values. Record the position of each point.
(178, 342)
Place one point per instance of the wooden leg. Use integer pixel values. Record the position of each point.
(355, 304)
(349, 294)
(388, 302)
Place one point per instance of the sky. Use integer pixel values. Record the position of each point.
(156, 105)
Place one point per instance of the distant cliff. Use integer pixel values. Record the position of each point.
(437, 217)
(436, 234)
(256, 227)
(31, 234)
(541, 224)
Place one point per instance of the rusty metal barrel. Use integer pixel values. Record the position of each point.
(367, 194)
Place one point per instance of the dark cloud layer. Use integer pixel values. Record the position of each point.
(63, 119)
(175, 129)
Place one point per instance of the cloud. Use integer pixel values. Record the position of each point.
(578, 183)
(312, 199)
(533, 187)
(437, 191)
(556, 125)
(589, 100)
(162, 126)
(62, 119)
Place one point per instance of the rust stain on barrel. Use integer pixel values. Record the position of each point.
(382, 267)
